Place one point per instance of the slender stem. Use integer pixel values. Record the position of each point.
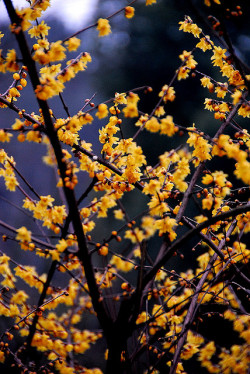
(178, 243)
(95, 24)
(193, 305)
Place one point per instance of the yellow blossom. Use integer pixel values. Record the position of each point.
(244, 110)
(219, 56)
(120, 98)
(205, 43)
(73, 44)
(142, 317)
(189, 26)
(152, 124)
(207, 351)
(5, 136)
(118, 214)
(129, 12)
(103, 27)
(13, 92)
(159, 111)
(2, 357)
(131, 109)
(11, 63)
(62, 245)
(167, 126)
(102, 111)
(201, 147)
(166, 225)
(23, 234)
(236, 96)
(39, 31)
(150, 2)
(168, 93)
(183, 73)
(136, 235)
(121, 264)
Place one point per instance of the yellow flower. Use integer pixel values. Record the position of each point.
(131, 173)
(236, 79)
(120, 98)
(23, 235)
(3, 156)
(205, 82)
(57, 51)
(159, 111)
(5, 136)
(152, 125)
(219, 56)
(150, 2)
(189, 26)
(19, 297)
(118, 214)
(129, 12)
(130, 111)
(42, 43)
(39, 31)
(142, 317)
(207, 202)
(48, 88)
(11, 182)
(243, 171)
(167, 126)
(62, 245)
(221, 90)
(103, 27)
(201, 146)
(11, 63)
(17, 125)
(73, 44)
(2, 357)
(120, 264)
(207, 352)
(152, 187)
(106, 202)
(166, 225)
(182, 171)
(244, 110)
(183, 73)
(102, 111)
(187, 57)
(236, 96)
(13, 92)
(168, 93)
(136, 235)
(207, 179)
(148, 225)
(205, 43)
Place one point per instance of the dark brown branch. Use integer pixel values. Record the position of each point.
(193, 305)
(83, 253)
(35, 240)
(178, 243)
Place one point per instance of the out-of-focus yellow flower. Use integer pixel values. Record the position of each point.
(103, 27)
(129, 12)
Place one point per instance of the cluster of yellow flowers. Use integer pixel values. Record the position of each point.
(7, 170)
(45, 211)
